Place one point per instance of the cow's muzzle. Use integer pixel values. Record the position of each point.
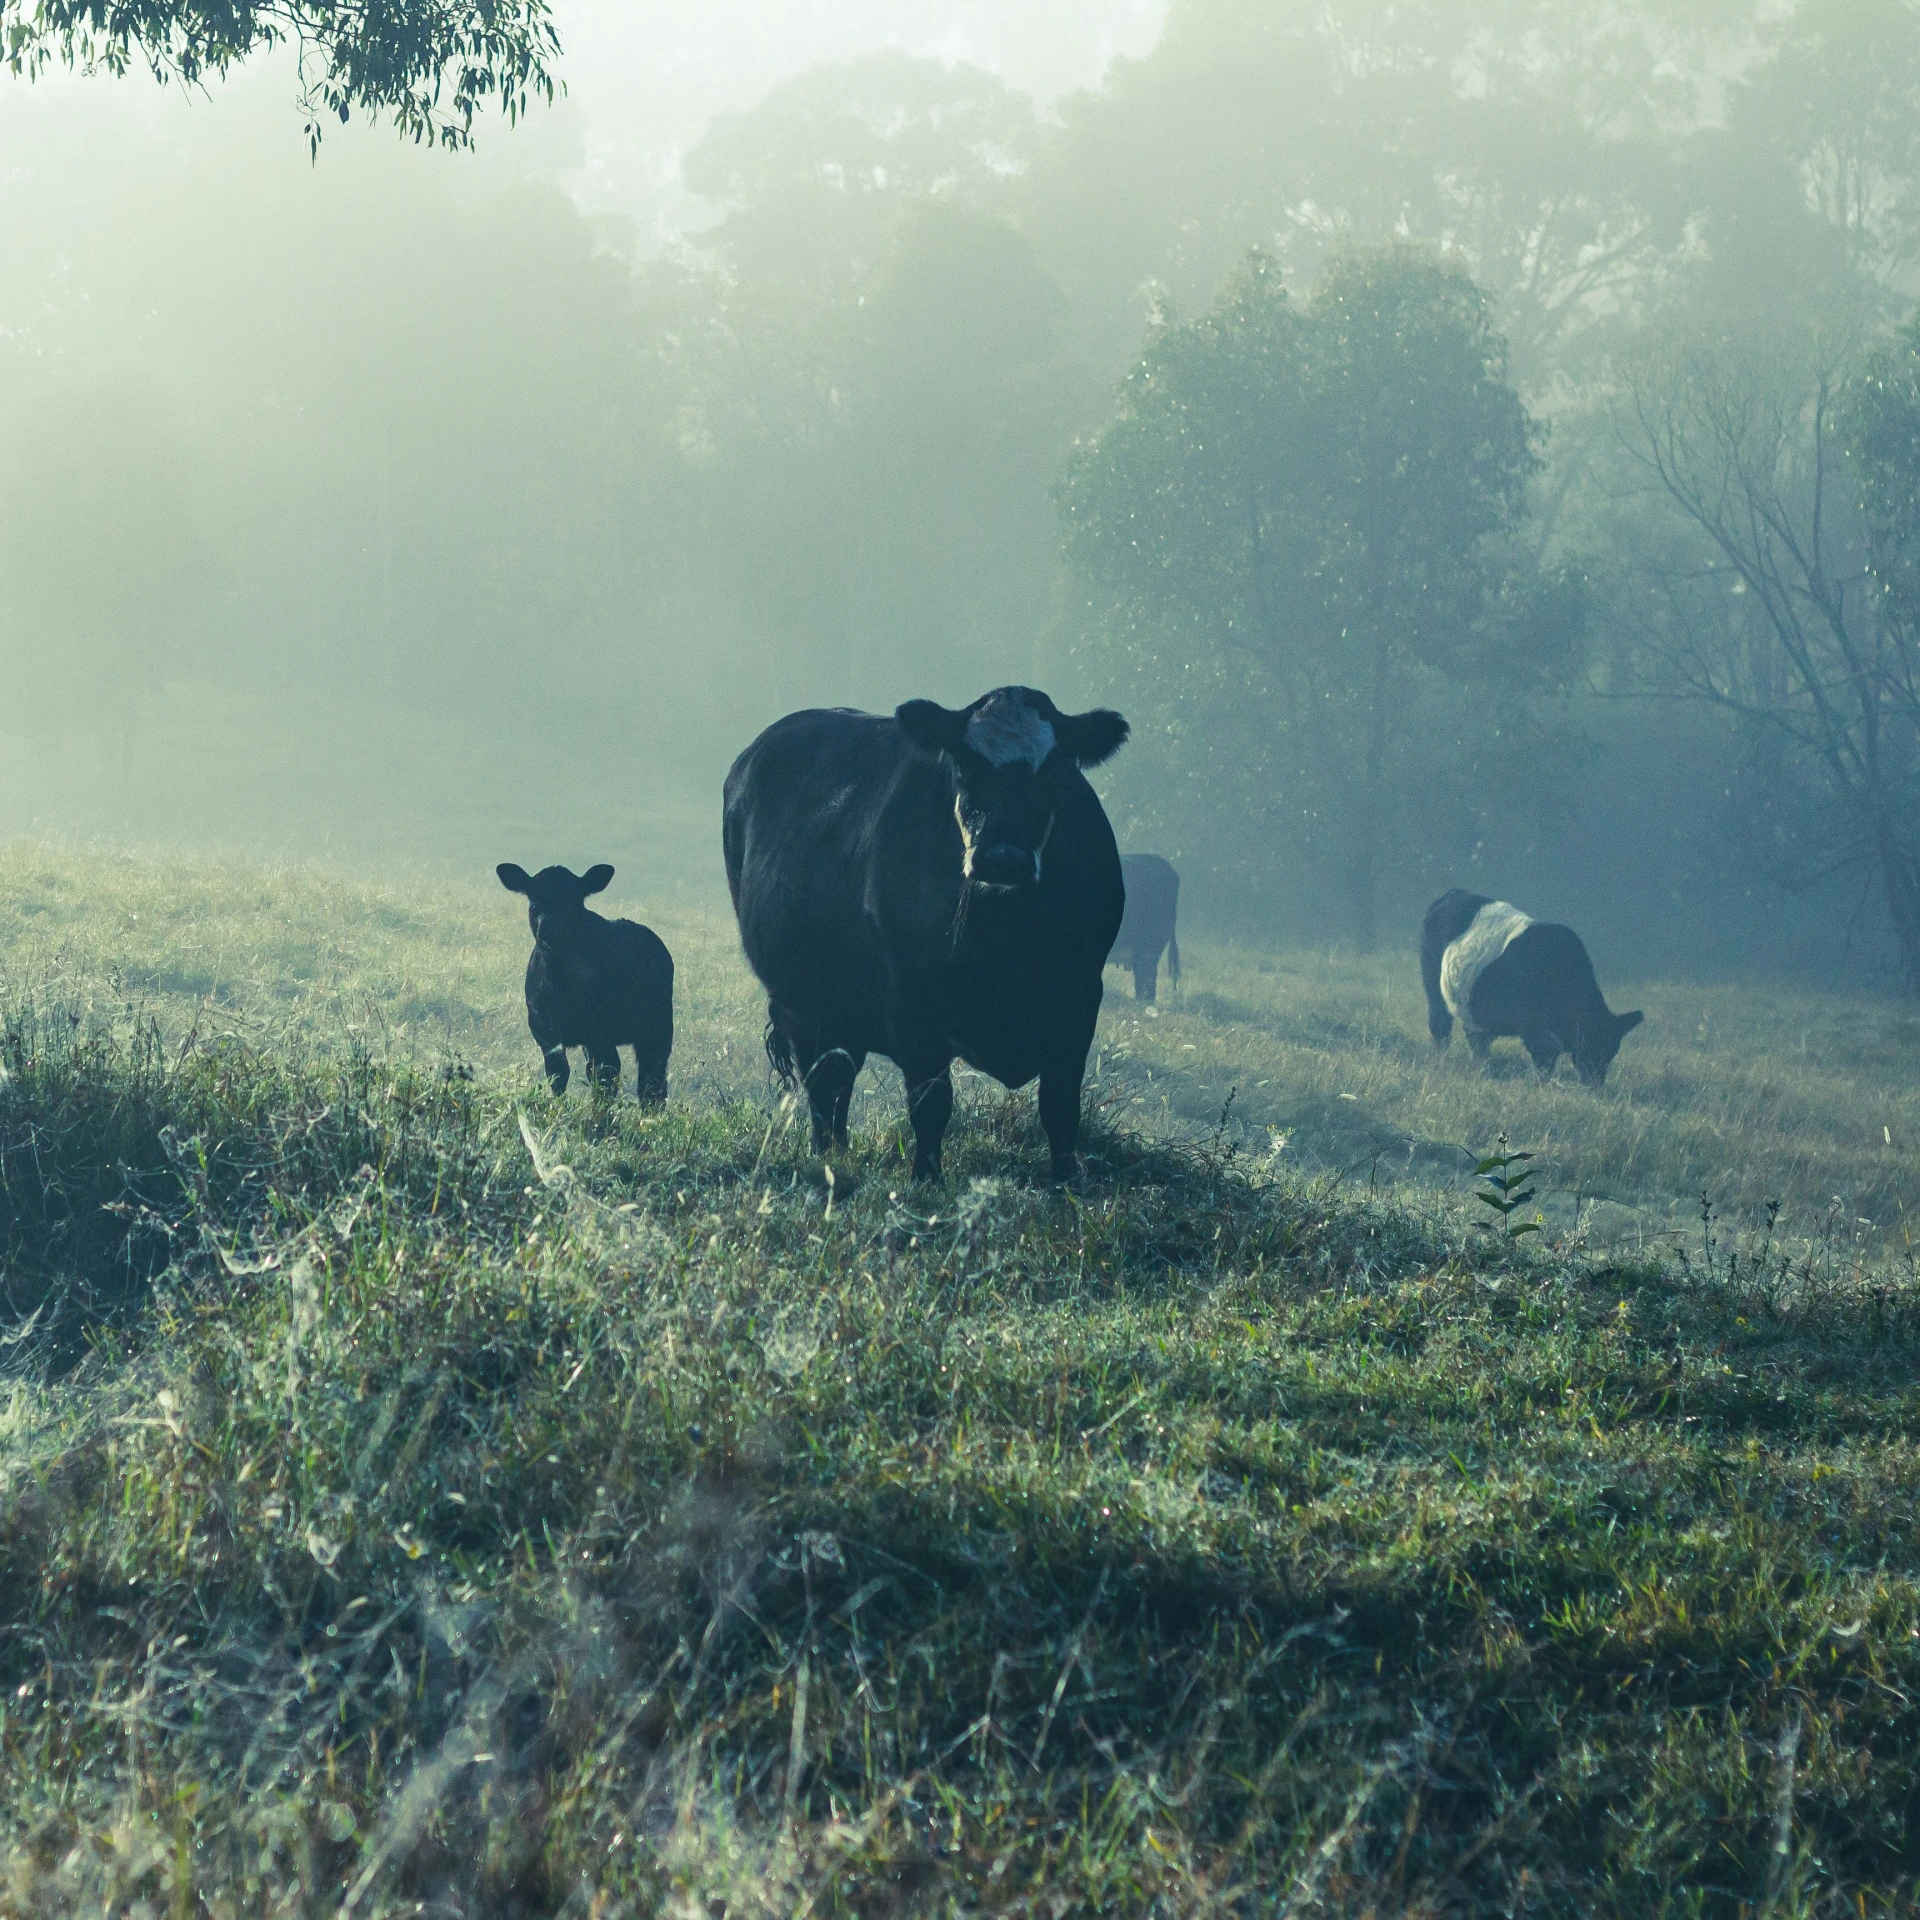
(1004, 865)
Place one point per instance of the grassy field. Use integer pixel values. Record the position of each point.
(418, 1495)
(1748, 1096)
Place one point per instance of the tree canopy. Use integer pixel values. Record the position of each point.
(430, 64)
(1301, 545)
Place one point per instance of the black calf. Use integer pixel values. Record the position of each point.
(594, 983)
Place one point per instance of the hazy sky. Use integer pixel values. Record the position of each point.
(646, 78)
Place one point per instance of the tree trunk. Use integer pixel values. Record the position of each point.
(1900, 884)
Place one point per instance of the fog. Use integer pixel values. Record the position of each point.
(1475, 447)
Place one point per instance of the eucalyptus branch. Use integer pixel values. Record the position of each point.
(429, 64)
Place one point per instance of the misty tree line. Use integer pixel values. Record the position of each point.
(1422, 424)
(1315, 554)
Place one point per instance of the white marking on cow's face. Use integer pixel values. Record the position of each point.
(1006, 730)
(1492, 930)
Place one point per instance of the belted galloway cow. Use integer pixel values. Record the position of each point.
(1149, 927)
(1484, 963)
(928, 885)
(594, 983)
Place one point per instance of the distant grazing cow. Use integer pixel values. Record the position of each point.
(594, 983)
(1147, 928)
(927, 885)
(1500, 974)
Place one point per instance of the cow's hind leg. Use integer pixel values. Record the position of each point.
(1146, 974)
(843, 1097)
(650, 1075)
(929, 1108)
(1479, 1044)
(829, 1092)
(796, 1051)
(652, 1043)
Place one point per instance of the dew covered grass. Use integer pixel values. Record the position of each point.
(418, 1495)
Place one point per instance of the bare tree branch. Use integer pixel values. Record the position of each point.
(1742, 451)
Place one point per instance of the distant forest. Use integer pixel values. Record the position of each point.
(1474, 445)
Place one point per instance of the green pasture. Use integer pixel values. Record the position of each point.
(1743, 1095)
(419, 1495)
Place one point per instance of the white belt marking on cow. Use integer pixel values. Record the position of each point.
(1004, 731)
(1492, 932)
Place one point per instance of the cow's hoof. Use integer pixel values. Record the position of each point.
(839, 1183)
(1067, 1172)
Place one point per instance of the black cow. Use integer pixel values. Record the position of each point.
(1500, 974)
(594, 983)
(1147, 928)
(928, 885)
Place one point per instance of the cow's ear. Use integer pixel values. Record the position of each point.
(1089, 738)
(932, 727)
(596, 880)
(1626, 1022)
(514, 879)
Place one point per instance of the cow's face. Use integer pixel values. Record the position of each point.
(1010, 753)
(556, 897)
(1600, 1042)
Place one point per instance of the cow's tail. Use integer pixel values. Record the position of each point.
(1173, 959)
(786, 1068)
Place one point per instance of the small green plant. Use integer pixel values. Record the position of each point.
(1504, 1182)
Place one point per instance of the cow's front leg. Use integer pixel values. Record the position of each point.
(1060, 1085)
(603, 1063)
(929, 1108)
(553, 1053)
